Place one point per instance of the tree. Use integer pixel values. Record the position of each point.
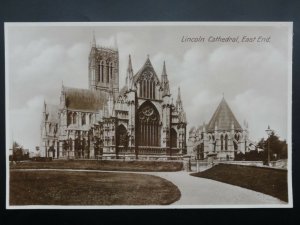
(17, 151)
(277, 148)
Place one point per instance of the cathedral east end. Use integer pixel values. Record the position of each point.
(139, 121)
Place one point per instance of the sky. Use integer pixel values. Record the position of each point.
(252, 76)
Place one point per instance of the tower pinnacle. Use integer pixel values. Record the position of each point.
(179, 95)
(179, 102)
(164, 72)
(165, 81)
(129, 75)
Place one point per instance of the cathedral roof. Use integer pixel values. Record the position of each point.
(84, 99)
(223, 118)
(52, 112)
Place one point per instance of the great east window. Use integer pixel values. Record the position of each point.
(148, 125)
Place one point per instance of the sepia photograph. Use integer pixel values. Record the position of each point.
(129, 115)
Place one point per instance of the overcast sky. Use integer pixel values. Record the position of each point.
(252, 76)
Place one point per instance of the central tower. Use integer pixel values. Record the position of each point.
(104, 69)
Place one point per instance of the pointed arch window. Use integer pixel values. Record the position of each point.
(147, 85)
(101, 72)
(70, 144)
(226, 142)
(222, 140)
(110, 71)
(173, 138)
(141, 90)
(148, 125)
(107, 72)
(74, 118)
(69, 118)
(153, 90)
(90, 118)
(83, 121)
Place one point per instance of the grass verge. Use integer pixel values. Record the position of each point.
(265, 180)
(113, 165)
(89, 188)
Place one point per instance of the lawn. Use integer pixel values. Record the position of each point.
(149, 166)
(89, 188)
(268, 181)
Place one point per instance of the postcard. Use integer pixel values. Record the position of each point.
(127, 115)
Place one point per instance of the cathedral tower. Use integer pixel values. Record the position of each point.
(103, 68)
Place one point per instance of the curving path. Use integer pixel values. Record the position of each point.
(201, 191)
(197, 191)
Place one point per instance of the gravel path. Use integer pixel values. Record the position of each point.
(200, 191)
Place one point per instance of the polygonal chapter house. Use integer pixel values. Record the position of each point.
(139, 121)
(223, 137)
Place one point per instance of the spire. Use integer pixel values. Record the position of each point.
(62, 96)
(94, 40)
(164, 72)
(179, 108)
(45, 106)
(178, 101)
(129, 75)
(129, 68)
(165, 81)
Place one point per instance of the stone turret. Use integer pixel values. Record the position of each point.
(165, 81)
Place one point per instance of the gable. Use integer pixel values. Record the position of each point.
(146, 72)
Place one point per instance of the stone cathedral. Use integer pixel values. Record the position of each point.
(138, 121)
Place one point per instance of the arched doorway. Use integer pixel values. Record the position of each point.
(173, 138)
(122, 136)
(148, 125)
(122, 139)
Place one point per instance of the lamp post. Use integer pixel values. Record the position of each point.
(269, 132)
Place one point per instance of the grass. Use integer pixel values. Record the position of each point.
(265, 180)
(89, 188)
(148, 166)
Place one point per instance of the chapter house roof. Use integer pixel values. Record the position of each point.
(84, 99)
(223, 118)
